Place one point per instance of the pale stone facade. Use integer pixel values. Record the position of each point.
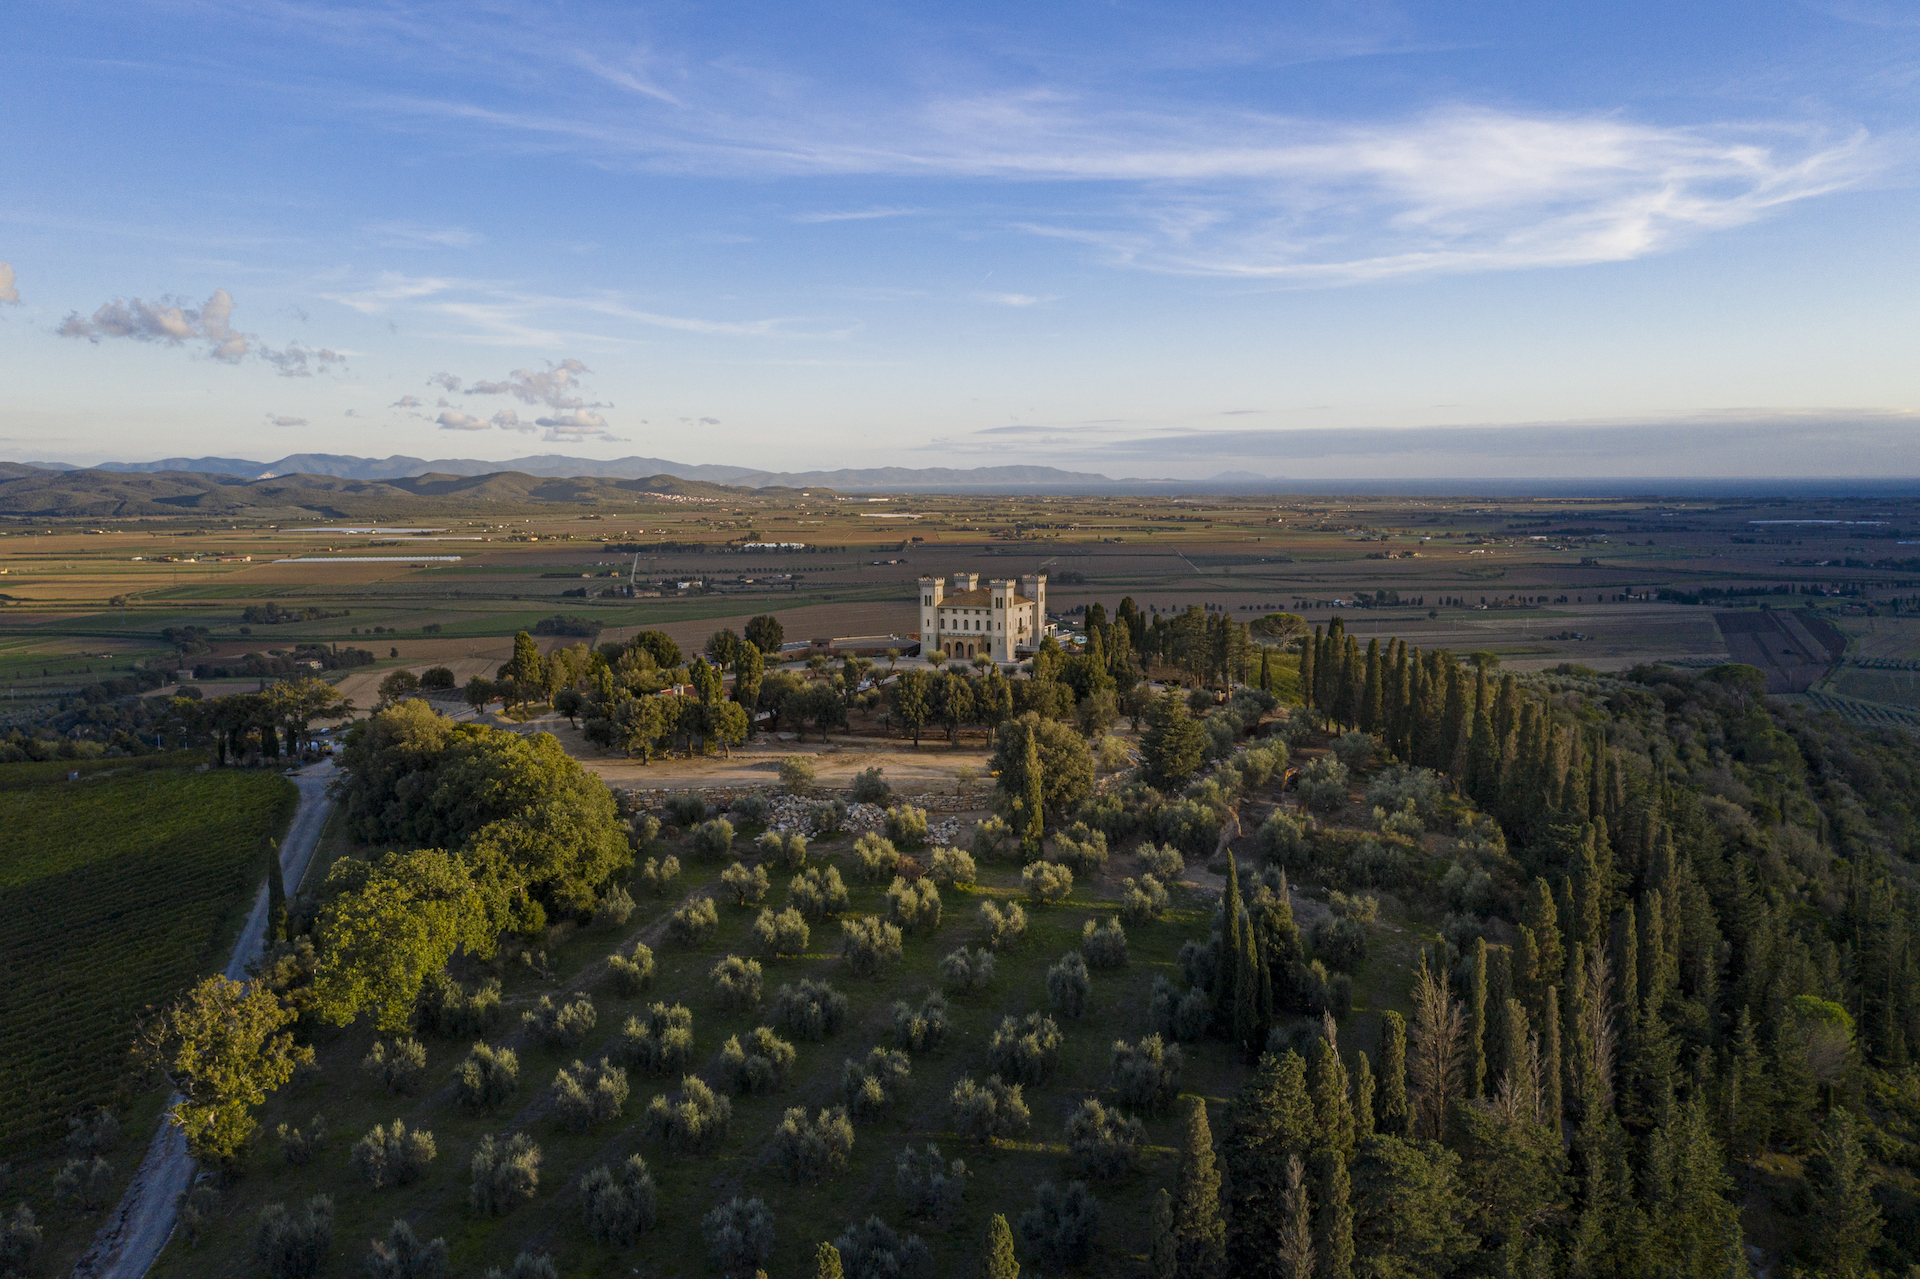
(963, 619)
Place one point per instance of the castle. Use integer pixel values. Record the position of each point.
(1002, 620)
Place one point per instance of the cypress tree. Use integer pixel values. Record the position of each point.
(1308, 667)
(1553, 1103)
(1362, 1097)
(1163, 1254)
(1335, 1233)
(1456, 722)
(1266, 671)
(1226, 974)
(1249, 1024)
(1477, 1021)
(1519, 1079)
(276, 894)
(1034, 833)
(1578, 1052)
(826, 1260)
(1748, 1100)
(1543, 920)
(1394, 1116)
(1295, 1252)
(1000, 1261)
(1200, 1233)
(1332, 1106)
(1373, 697)
(1480, 770)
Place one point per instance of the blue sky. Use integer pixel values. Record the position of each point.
(1366, 240)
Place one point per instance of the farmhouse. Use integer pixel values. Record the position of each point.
(1001, 620)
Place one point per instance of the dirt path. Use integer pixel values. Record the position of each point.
(131, 1238)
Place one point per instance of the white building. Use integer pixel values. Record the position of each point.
(1001, 620)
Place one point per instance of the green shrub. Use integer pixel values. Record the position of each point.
(1104, 945)
(809, 1009)
(750, 809)
(657, 876)
(736, 981)
(921, 1029)
(964, 972)
(393, 1156)
(907, 826)
(714, 840)
(401, 1255)
(620, 1206)
(1341, 942)
(787, 851)
(1355, 749)
(1105, 1142)
(1163, 863)
(642, 829)
(993, 1111)
(932, 1187)
(587, 1095)
(870, 787)
(695, 922)
(294, 1245)
(993, 839)
(1046, 883)
(300, 1145)
(818, 893)
(914, 904)
(796, 774)
(1191, 827)
(526, 1265)
(504, 1174)
(871, 1086)
(813, 1149)
(685, 810)
(784, 934)
(487, 1077)
(1059, 1229)
(746, 887)
(91, 1135)
(869, 943)
(1143, 900)
(1002, 928)
(1068, 986)
(695, 1123)
(953, 867)
(876, 860)
(759, 1065)
(615, 908)
(632, 975)
(1146, 1075)
(661, 1043)
(1026, 1050)
(874, 1250)
(1283, 841)
(1323, 784)
(84, 1183)
(739, 1235)
(20, 1237)
(560, 1025)
(194, 1210)
(397, 1064)
(1081, 850)
(827, 818)
(447, 1010)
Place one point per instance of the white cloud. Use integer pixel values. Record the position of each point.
(387, 289)
(445, 381)
(9, 292)
(419, 235)
(171, 321)
(1015, 299)
(454, 420)
(855, 215)
(406, 402)
(508, 420)
(580, 424)
(295, 360)
(550, 386)
(278, 420)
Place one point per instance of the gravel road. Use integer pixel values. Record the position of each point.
(133, 1235)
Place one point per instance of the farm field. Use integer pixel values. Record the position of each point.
(1002, 1176)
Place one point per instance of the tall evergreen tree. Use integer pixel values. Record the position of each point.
(1226, 974)
(1272, 1117)
(1200, 1231)
(1477, 1021)
(1033, 829)
(1846, 1221)
(1163, 1250)
(1334, 1233)
(1395, 1117)
(1000, 1261)
(1294, 1256)
(1553, 1104)
(1332, 1104)
(826, 1263)
(1434, 1067)
(1373, 696)
(1362, 1097)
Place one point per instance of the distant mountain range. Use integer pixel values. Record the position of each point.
(894, 479)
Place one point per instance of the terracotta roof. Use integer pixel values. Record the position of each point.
(981, 598)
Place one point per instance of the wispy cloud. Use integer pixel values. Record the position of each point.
(280, 420)
(420, 235)
(1015, 299)
(855, 215)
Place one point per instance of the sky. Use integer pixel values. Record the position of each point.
(1367, 240)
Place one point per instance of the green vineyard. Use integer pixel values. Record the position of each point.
(116, 891)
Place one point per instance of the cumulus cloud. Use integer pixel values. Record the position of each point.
(9, 291)
(445, 381)
(279, 420)
(1014, 299)
(172, 322)
(508, 420)
(406, 402)
(552, 386)
(580, 424)
(454, 420)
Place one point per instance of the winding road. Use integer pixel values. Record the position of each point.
(134, 1233)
